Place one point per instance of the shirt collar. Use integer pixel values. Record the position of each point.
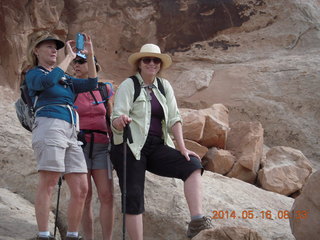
(153, 85)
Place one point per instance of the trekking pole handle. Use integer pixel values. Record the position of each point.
(127, 134)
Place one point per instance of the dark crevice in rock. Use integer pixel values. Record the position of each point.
(180, 25)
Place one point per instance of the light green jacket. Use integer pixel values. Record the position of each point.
(140, 112)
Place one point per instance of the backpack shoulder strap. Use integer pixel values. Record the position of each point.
(137, 87)
(160, 86)
(26, 97)
(102, 87)
(104, 93)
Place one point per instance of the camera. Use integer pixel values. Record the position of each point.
(79, 41)
(65, 82)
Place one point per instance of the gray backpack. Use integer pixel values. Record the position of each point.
(25, 109)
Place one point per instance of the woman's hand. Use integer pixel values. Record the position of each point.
(88, 47)
(71, 49)
(186, 152)
(70, 55)
(120, 122)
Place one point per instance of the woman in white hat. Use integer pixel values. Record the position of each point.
(54, 133)
(152, 115)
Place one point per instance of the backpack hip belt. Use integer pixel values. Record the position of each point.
(74, 122)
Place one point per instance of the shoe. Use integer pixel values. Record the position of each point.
(46, 238)
(195, 226)
(74, 238)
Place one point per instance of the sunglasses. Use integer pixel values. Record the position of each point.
(148, 60)
(79, 61)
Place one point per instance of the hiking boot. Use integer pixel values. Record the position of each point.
(195, 226)
(74, 238)
(46, 238)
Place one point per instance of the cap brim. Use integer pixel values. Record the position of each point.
(165, 58)
(59, 43)
(82, 55)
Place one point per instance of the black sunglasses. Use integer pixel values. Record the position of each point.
(148, 60)
(80, 61)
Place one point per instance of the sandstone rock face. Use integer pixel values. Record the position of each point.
(266, 71)
(208, 127)
(245, 141)
(15, 150)
(193, 124)
(286, 170)
(264, 153)
(305, 212)
(195, 79)
(219, 161)
(216, 126)
(18, 220)
(228, 233)
(167, 211)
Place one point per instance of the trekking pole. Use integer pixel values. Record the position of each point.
(57, 208)
(126, 135)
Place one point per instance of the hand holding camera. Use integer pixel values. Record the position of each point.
(80, 41)
(84, 44)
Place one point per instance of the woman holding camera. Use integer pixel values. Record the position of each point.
(54, 133)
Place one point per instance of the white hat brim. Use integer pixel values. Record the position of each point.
(165, 58)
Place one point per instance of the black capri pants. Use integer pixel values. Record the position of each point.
(157, 158)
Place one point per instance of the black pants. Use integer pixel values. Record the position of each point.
(156, 158)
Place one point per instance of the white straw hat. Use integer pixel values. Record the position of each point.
(150, 50)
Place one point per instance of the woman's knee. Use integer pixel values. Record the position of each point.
(195, 175)
(79, 190)
(47, 181)
(106, 197)
(83, 191)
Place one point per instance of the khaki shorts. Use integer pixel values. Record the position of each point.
(56, 147)
(100, 156)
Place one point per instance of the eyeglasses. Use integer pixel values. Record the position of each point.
(148, 60)
(79, 61)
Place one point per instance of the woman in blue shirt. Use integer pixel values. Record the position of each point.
(54, 133)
